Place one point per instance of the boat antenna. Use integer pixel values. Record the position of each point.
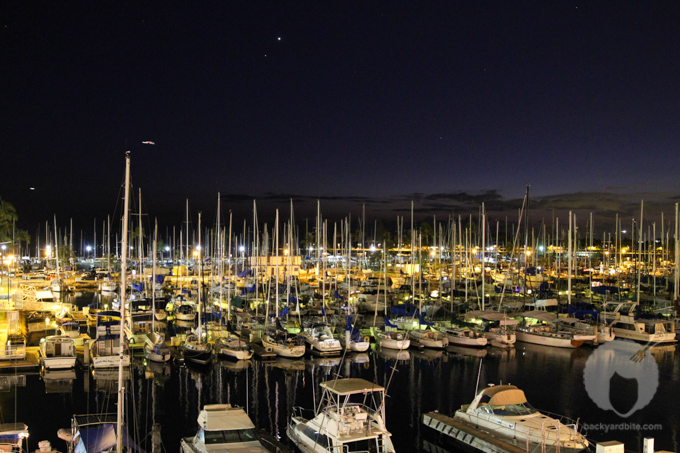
(479, 373)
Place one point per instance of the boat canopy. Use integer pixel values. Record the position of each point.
(223, 417)
(540, 315)
(351, 385)
(508, 397)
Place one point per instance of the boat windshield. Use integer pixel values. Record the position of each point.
(230, 436)
(511, 409)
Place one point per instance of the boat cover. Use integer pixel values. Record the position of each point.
(98, 438)
(222, 417)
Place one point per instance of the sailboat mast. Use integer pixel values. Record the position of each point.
(153, 278)
(220, 255)
(200, 279)
(230, 273)
(123, 283)
(56, 249)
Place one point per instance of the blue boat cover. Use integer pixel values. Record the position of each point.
(245, 273)
(388, 323)
(98, 438)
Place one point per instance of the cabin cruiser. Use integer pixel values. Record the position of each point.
(350, 418)
(626, 325)
(223, 428)
(57, 352)
(105, 349)
(503, 410)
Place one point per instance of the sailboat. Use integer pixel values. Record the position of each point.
(155, 348)
(194, 348)
(105, 432)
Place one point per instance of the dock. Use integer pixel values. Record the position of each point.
(474, 437)
(30, 363)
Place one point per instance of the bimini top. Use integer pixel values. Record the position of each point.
(351, 386)
(503, 395)
(223, 417)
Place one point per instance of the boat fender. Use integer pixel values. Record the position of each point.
(291, 345)
(367, 339)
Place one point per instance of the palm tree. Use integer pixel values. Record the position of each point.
(8, 216)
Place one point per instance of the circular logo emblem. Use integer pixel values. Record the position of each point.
(627, 365)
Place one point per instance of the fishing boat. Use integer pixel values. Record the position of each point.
(350, 418)
(57, 352)
(503, 410)
(224, 428)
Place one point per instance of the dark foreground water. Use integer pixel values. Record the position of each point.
(417, 382)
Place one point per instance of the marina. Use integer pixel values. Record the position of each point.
(417, 382)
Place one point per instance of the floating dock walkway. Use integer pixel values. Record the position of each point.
(473, 436)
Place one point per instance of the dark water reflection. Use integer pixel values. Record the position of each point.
(417, 382)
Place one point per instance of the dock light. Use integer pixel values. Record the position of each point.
(4, 247)
(167, 248)
(372, 248)
(241, 249)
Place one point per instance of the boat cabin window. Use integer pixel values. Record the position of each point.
(230, 436)
(510, 409)
(316, 437)
(368, 445)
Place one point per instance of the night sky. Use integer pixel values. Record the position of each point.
(447, 104)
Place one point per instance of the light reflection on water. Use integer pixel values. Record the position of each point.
(417, 382)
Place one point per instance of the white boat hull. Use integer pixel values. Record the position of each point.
(58, 363)
(566, 341)
(109, 361)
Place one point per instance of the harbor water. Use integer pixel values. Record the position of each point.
(417, 382)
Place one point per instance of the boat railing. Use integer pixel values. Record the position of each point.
(547, 428)
(9, 351)
(302, 412)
